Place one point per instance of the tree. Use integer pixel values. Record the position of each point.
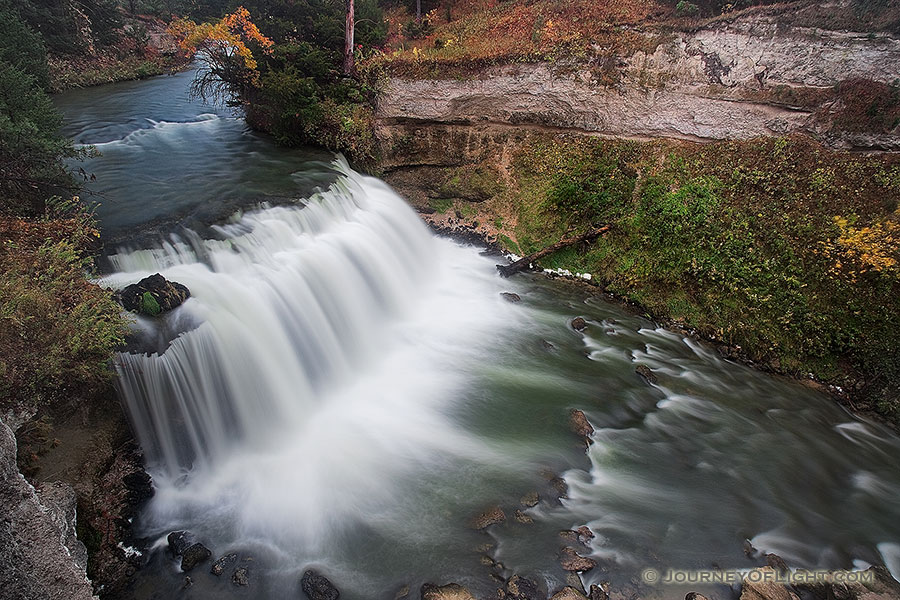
(418, 10)
(348, 40)
(225, 49)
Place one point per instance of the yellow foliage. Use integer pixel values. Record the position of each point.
(872, 248)
(226, 39)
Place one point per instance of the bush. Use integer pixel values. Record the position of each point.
(686, 9)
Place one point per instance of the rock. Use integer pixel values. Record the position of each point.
(223, 563)
(35, 561)
(579, 423)
(645, 372)
(579, 324)
(489, 517)
(522, 588)
(510, 297)
(569, 536)
(451, 591)
(573, 580)
(318, 587)
(694, 596)
(403, 592)
(572, 561)
(585, 535)
(880, 586)
(179, 541)
(60, 501)
(777, 563)
(760, 584)
(194, 555)
(749, 550)
(599, 592)
(568, 593)
(560, 486)
(152, 295)
(241, 576)
(547, 346)
(523, 518)
(530, 499)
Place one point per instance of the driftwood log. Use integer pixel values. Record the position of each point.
(522, 263)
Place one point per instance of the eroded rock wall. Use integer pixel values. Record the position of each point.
(738, 79)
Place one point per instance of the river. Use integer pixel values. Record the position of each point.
(345, 391)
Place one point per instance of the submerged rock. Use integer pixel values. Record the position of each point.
(599, 592)
(318, 587)
(579, 324)
(152, 295)
(522, 588)
(585, 535)
(511, 297)
(568, 593)
(241, 576)
(223, 563)
(194, 555)
(451, 591)
(572, 561)
(523, 518)
(645, 372)
(530, 499)
(489, 517)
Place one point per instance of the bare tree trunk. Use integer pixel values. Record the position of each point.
(349, 65)
(418, 10)
(507, 270)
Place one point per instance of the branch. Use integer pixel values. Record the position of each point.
(522, 263)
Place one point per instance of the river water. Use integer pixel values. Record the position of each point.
(347, 390)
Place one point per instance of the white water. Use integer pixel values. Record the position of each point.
(330, 341)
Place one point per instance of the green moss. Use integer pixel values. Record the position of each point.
(149, 305)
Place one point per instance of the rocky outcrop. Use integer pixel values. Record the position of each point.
(39, 554)
(752, 75)
(153, 295)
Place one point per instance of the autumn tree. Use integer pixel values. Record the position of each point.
(225, 50)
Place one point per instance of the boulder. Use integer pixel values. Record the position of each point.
(152, 295)
(777, 563)
(179, 541)
(223, 563)
(318, 587)
(510, 297)
(489, 517)
(193, 556)
(572, 561)
(579, 324)
(880, 586)
(451, 591)
(568, 593)
(695, 596)
(585, 535)
(560, 486)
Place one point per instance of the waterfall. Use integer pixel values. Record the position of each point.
(289, 301)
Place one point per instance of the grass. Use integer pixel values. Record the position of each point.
(779, 246)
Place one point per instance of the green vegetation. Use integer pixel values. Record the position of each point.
(779, 246)
(57, 330)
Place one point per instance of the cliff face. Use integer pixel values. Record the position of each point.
(40, 557)
(737, 79)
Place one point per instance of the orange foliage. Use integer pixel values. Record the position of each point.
(229, 38)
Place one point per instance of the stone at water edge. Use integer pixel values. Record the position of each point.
(451, 591)
(193, 556)
(572, 561)
(599, 592)
(179, 541)
(568, 593)
(579, 324)
(489, 517)
(318, 587)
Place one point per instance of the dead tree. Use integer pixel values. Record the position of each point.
(522, 263)
(349, 63)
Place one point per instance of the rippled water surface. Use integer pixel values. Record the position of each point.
(349, 390)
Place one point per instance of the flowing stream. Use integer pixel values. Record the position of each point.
(344, 390)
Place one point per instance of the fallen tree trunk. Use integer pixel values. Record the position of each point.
(522, 263)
